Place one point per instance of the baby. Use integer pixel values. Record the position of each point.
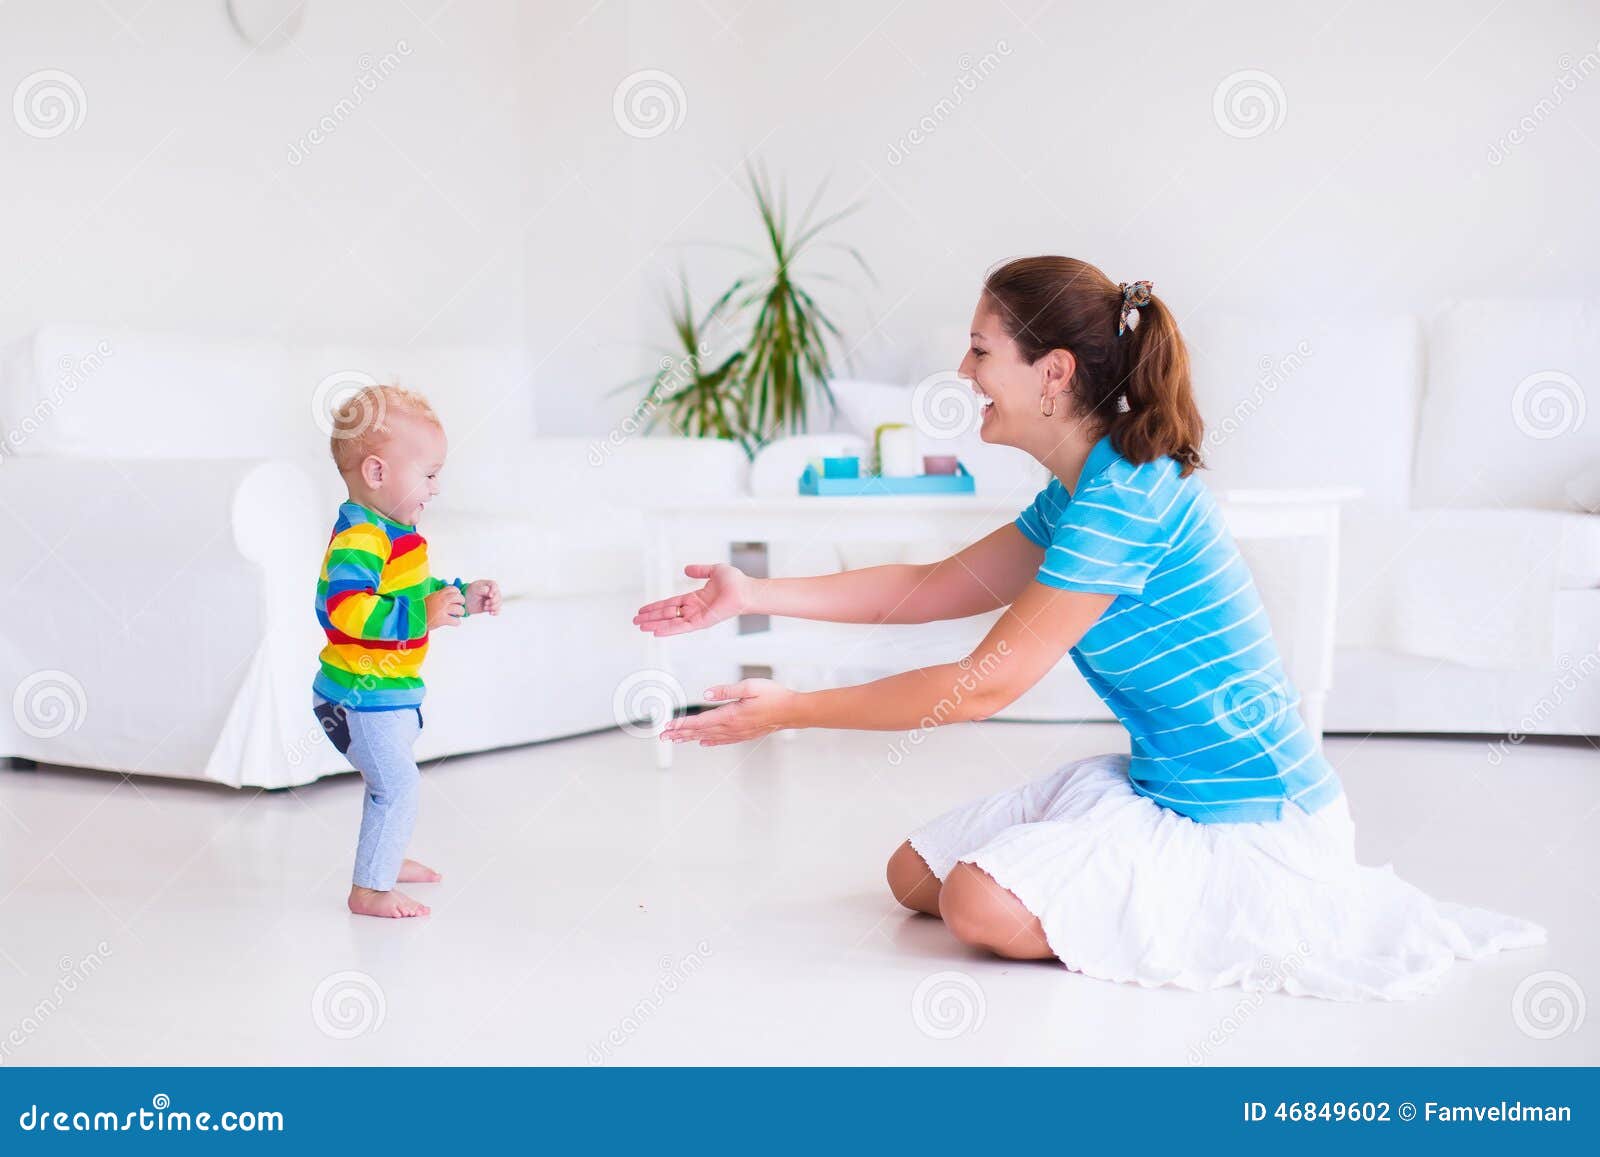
(377, 602)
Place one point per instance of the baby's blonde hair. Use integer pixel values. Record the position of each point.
(361, 422)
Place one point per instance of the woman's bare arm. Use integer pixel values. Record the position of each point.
(1040, 627)
(988, 574)
(1024, 643)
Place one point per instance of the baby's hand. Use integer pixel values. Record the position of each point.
(483, 595)
(445, 607)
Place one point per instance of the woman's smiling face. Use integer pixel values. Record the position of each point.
(1009, 388)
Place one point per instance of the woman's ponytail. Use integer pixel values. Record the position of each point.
(1159, 417)
(1132, 376)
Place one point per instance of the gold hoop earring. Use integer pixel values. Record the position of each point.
(1047, 406)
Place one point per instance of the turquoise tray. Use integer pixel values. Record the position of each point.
(811, 483)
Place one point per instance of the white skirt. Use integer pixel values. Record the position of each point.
(1129, 890)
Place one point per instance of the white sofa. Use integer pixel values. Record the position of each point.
(1470, 586)
(165, 500)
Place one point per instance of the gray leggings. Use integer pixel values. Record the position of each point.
(378, 744)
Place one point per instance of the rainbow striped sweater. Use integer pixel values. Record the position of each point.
(371, 602)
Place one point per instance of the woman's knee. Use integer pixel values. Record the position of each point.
(982, 913)
(911, 880)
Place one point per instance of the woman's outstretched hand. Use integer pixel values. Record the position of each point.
(759, 707)
(726, 594)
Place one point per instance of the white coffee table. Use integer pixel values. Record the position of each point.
(1311, 517)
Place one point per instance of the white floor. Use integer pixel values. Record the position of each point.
(730, 910)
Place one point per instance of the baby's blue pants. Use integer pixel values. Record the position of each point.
(378, 744)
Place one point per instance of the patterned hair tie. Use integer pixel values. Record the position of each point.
(1134, 295)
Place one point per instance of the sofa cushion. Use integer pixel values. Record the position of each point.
(1308, 402)
(1475, 587)
(104, 391)
(1505, 420)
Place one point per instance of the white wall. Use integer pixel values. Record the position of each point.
(176, 203)
(1093, 135)
(485, 192)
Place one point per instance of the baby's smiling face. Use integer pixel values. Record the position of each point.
(402, 476)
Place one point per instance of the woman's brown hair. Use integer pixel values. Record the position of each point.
(1048, 303)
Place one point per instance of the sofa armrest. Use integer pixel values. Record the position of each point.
(149, 587)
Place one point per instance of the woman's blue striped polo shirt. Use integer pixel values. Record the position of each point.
(1184, 655)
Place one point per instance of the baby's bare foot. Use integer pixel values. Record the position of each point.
(412, 872)
(367, 902)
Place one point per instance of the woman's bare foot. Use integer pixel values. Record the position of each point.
(412, 872)
(367, 902)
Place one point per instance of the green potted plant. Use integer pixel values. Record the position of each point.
(692, 393)
(766, 387)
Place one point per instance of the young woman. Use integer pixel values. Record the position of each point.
(1221, 849)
